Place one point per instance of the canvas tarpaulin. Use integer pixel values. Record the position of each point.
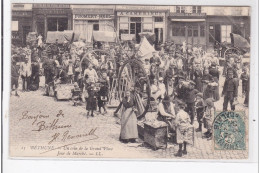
(239, 41)
(60, 35)
(145, 49)
(104, 36)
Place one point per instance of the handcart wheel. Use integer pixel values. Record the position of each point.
(103, 57)
(231, 51)
(133, 75)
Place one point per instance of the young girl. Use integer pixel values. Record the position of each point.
(183, 124)
(209, 117)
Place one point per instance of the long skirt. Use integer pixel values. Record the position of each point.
(91, 103)
(128, 124)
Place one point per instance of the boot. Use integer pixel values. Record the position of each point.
(209, 136)
(206, 133)
(184, 152)
(179, 153)
(200, 128)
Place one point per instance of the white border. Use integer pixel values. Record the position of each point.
(82, 165)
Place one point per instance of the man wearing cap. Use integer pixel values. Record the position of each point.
(161, 89)
(166, 112)
(26, 72)
(14, 76)
(155, 59)
(190, 98)
(230, 90)
(49, 72)
(35, 78)
(147, 66)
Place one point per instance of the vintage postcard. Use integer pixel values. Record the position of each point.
(129, 81)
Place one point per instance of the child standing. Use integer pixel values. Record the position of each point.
(200, 108)
(209, 117)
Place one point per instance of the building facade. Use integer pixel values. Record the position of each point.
(21, 23)
(89, 18)
(133, 19)
(51, 17)
(200, 26)
(205, 27)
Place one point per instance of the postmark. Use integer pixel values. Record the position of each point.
(229, 131)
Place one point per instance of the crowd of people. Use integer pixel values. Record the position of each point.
(184, 82)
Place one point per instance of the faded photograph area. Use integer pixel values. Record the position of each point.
(129, 81)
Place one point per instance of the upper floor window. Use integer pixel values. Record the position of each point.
(180, 9)
(196, 9)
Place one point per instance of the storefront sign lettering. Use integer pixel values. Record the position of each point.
(51, 6)
(188, 14)
(22, 13)
(140, 13)
(53, 11)
(93, 16)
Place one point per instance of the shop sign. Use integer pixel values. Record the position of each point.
(53, 11)
(188, 14)
(140, 13)
(93, 16)
(144, 7)
(51, 6)
(22, 13)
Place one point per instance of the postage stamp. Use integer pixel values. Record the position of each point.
(229, 131)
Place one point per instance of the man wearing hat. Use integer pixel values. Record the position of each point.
(26, 72)
(190, 98)
(230, 90)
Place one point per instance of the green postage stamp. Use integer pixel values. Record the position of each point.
(229, 131)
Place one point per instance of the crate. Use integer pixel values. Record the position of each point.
(156, 137)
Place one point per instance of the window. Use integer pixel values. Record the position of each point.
(95, 27)
(135, 19)
(147, 27)
(180, 9)
(225, 33)
(189, 31)
(158, 19)
(202, 30)
(14, 25)
(195, 31)
(178, 31)
(196, 9)
(132, 28)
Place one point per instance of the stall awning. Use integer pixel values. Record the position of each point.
(188, 20)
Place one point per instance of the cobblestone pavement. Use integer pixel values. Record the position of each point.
(23, 140)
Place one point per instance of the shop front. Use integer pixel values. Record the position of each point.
(21, 23)
(51, 17)
(132, 22)
(220, 27)
(189, 28)
(87, 20)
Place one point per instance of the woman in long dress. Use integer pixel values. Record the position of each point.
(128, 131)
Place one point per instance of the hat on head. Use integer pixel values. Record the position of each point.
(199, 95)
(146, 59)
(160, 79)
(209, 102)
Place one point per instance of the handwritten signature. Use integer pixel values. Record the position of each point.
(66, 136)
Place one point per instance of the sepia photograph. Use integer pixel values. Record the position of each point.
(130, 81)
